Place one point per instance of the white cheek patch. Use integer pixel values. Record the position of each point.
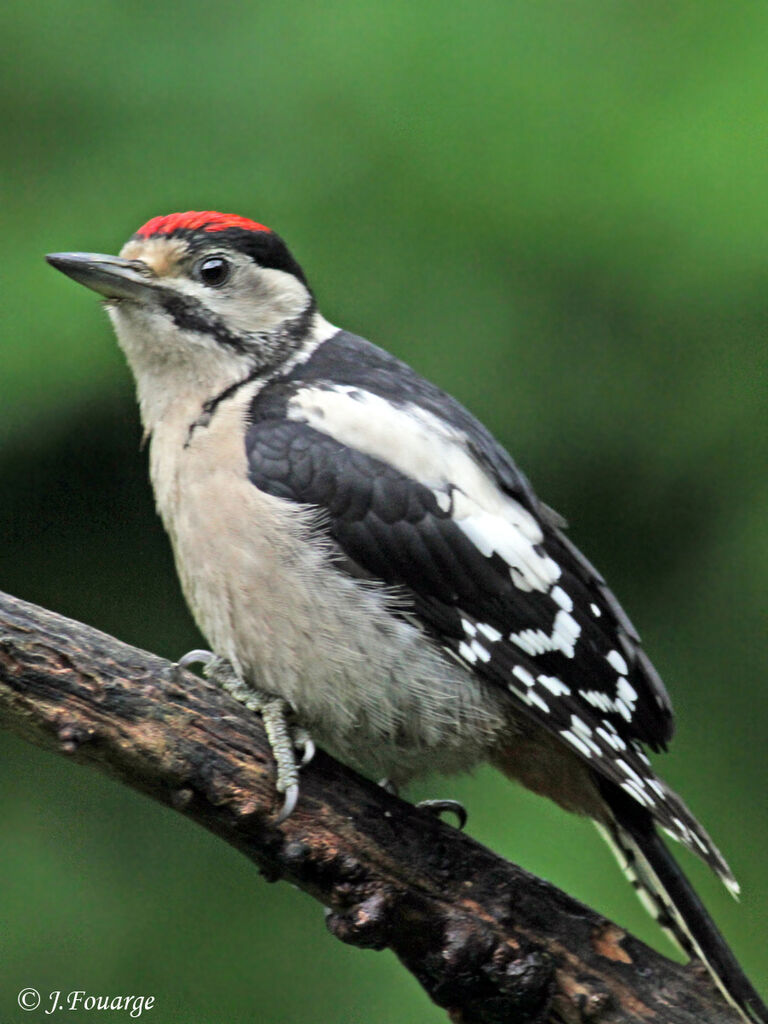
(260, 300)
(255, 301)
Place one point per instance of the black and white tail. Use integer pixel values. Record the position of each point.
(669, 897)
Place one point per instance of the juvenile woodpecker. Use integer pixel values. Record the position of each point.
(362, 554)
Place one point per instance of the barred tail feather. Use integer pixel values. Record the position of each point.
(672, 902)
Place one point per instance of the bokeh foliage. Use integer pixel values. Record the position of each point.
(559, 212)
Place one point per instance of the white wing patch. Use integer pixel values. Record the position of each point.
(414, 441)
(509, 538)
(434, 454)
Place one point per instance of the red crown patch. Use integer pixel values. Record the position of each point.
(196, 220)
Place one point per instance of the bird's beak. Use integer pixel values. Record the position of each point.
(110, 276)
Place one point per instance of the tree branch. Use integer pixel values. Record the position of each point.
(489, 942)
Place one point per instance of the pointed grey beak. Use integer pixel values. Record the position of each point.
(110, 276)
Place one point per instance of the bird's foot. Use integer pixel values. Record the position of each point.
(439, 807)
(285, 737)
(436, 807)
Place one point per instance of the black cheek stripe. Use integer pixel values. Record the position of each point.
(191, 315)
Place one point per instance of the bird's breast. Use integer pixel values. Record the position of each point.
(262, 585)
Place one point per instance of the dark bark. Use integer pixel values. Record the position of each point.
(489, 942)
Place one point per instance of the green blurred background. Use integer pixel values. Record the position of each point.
(557, 211)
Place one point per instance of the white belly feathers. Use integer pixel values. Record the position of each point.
(371, 687)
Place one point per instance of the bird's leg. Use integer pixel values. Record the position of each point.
(284, 737)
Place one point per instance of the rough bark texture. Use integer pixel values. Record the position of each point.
(488, 942)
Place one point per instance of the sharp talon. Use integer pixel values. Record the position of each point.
(438, 807)
(289, 805)
(196, 657)
(309, 751)
(285, 738)
(389, 786)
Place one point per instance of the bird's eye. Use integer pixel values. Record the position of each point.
(213, 270)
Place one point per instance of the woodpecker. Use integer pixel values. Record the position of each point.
(370, 567)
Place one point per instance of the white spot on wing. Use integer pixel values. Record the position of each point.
(629, 771)
(530, 697)
(584, 733)
(579, 726)
(481, 652)
(617, 661)
(634, 791)
(523, 675)
(640, 754)
(560, 597)
(700, 843)
(532, 641)
(623, 709)
(626, 691)
(611, 738)
(576, 741)
(565, 633)
(540, 703)
(493, 634)
(597, 699)
(555, 686)
(467, 653)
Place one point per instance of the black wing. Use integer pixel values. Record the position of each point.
(565, 651)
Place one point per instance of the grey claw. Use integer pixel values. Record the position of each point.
(196, 657)
(438, 807)
(309, 751)
(289, 804)
(389, 786)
